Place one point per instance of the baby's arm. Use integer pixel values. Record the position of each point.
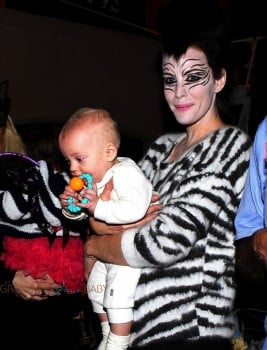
(129, 199)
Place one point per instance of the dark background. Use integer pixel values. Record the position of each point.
(139, 19)
(61, 55)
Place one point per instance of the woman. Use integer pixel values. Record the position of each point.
(185, 294)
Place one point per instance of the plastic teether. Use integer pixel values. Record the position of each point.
(77, 183)
(78, 186)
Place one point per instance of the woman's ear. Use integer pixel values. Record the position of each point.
(111, 152)
(220, 83)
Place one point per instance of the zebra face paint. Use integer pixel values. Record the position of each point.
(189, 86)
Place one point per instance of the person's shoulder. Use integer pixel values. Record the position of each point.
(128, 169)
(261, 131)
(263, 123)
(126, 164)
(236, 133)
(260, 138)
(126, 160)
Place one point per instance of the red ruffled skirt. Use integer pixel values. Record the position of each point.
(37, 256)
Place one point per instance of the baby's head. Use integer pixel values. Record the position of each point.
(90, 140)
(86, 119)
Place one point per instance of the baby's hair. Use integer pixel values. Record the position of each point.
(95, 116)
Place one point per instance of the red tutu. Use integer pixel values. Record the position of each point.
(36, 256)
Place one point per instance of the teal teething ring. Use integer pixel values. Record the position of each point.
(89, 184)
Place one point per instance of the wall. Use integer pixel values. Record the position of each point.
(55, 66)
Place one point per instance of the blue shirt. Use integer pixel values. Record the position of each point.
(252, 212)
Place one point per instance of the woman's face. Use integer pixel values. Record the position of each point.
(189, 86)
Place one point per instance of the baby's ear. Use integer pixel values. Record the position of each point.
(111, 152)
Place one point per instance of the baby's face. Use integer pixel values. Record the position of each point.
(84, 149)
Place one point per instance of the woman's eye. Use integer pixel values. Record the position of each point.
(192, 78)
(169, 80)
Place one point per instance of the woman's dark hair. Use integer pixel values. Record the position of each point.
(205, 25)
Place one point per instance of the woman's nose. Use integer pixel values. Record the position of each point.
(180, 90)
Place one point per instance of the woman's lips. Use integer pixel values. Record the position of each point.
(183, 107)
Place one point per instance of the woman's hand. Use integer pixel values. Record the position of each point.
(89, 262)
(260, 243)
(29, 288)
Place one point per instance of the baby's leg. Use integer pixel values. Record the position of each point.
(105, 331)
(117, 342)
(120, 321)
(96, 289)
(118, 303)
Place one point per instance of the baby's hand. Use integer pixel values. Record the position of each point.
(69, 200)
(68, 192)
(74, 198)
(92, 199)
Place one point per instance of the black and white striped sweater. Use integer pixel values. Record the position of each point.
(186, 289)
